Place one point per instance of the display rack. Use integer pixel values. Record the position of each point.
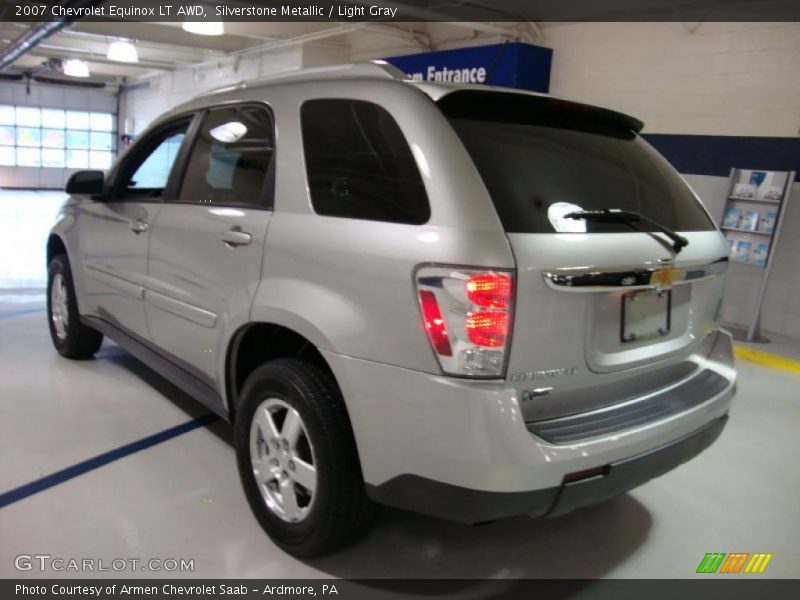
(751, 223)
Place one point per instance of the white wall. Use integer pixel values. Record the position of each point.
(49, 96)
(723, 79)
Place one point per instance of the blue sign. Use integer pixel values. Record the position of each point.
(512, 64)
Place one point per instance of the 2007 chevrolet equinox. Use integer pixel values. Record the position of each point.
(465, 301)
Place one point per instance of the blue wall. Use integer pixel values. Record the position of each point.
(716, 154)
(512, 64)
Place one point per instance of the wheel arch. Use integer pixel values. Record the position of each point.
(256, 343)
(55, 246)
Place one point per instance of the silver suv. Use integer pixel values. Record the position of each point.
(464, 301)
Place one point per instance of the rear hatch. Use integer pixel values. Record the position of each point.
(602, 309)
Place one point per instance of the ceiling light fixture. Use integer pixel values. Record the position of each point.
(74, 67)
(214, 27)
(122, 51)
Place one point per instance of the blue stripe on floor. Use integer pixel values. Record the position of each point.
(45, 483)
(21, 313)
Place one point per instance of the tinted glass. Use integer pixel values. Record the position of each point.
(27, 136)
(8, 135)
(53, 157)
(77, 119)
(359, 164)
(30, 117)
(100, 140)
(99, 160)
(231, 158)
(153, 171)
(79, 140)
(53, 117)
(53, 138)
(77, 159)
(7, 156)
(538, 169)
(29, 157)
(7, 116)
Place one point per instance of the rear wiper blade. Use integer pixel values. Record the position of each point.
(615, 215)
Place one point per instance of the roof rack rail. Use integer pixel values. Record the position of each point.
(360, 70)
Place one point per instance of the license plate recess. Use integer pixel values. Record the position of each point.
(645, 315)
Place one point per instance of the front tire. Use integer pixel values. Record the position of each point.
(298, 461)
(71, 338)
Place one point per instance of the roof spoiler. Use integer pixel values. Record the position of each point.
(535, 109)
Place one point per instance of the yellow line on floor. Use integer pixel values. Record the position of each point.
(766, 359)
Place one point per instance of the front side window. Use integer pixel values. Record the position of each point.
(359, 165)
(151, 166)
(231, 160)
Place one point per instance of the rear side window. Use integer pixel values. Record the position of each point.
(359, 164)
(542, 158)
(231, 160)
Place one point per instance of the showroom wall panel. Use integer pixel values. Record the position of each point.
(696, 78)
(52, 97)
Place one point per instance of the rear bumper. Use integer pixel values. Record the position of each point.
(461, 449)
(474, 506)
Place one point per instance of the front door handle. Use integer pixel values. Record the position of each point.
(236, 237)
(138, 226)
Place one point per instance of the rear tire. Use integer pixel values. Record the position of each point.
(298, 461)
(71, 338)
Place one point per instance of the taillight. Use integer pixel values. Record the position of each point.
(434, 323)
(490, 290)
(466, 314)
(488, 329)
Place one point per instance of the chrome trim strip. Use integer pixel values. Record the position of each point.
(639, 277)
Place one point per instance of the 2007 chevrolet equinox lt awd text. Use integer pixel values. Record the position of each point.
(465, 301)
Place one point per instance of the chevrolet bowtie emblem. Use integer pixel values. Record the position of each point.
(664, 277)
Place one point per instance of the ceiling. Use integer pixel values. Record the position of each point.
(166, 47)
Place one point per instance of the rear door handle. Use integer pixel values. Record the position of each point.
(236, 237)
(138, 226)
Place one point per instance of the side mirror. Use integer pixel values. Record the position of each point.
(86, 183)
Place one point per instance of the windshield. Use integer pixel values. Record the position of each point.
(542, 159)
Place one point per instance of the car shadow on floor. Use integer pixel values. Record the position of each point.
(587, 543)
(112, 353)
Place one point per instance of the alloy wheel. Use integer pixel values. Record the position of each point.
(283, 460)
(59, 311)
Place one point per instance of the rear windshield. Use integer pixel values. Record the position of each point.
(542, 159)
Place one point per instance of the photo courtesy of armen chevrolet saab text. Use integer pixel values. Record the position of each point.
(466, 301)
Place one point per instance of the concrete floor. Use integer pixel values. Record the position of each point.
(181, 498)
